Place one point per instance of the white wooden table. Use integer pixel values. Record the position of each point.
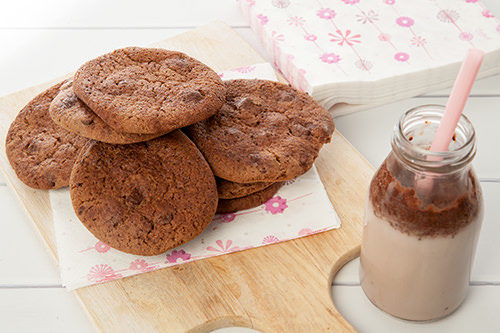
(41, 40)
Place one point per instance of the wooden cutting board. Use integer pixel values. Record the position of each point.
(284, 287)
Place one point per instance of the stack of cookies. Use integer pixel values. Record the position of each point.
(152, 143)
(265, 133)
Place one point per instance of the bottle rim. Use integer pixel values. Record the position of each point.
(421, 157)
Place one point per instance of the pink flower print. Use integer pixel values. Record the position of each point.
(142, 266)
(270, 239)
(401, 56)
(305, 232)
(244, 69)
(296, 21)
(263, 19)
(367, 17)
(465, 36)
(250, 2)
(183, 255)
(221, 75)
(301, 79)
(226, 218)
(281, 3)
(330, 58)
(347, 38)
(350, 2)
(405, 21)
(326, 13)
(224, 248)
(277, 37)
(276, 205)
(471, 1)
(138, 265)
(384, 37)
(448, 15)
(101, 273)
(498, 28)
(101, 247)
(418, 41)
(487, 13)
(363, 64)
(390, 2)
(310, 37)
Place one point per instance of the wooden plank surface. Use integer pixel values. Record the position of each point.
(274, 289)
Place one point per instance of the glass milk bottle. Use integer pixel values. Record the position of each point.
(422, 221)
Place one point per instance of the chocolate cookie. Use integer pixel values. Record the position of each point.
(144, 198)
(249, 201)
(69, 112)
(40, 152)
(265, 132)
(148, 91)
(230, 190)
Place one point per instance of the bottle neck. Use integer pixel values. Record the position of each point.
(413, 136)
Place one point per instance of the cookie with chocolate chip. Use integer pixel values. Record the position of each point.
(230, 190)
(265, 132)
(144, 198)
(249, 201)
(149, 91)
(69, 112)
(41, 153)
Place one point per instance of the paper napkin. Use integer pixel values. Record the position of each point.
(300, 208)
(373, 51)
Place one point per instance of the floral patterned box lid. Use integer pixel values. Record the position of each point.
(373, 51)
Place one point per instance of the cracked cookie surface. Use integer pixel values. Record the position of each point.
(69, 112)
(230, 190)
(265, 132)
(41, 153)
(249, 201)
(148, 91)
(144, 198)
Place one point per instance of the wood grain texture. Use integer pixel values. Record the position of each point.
(278, 288)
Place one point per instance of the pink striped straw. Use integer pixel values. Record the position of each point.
(456, 102)
(454, 107)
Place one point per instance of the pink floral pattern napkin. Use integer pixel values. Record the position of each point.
(300, 208)
(373, 51)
